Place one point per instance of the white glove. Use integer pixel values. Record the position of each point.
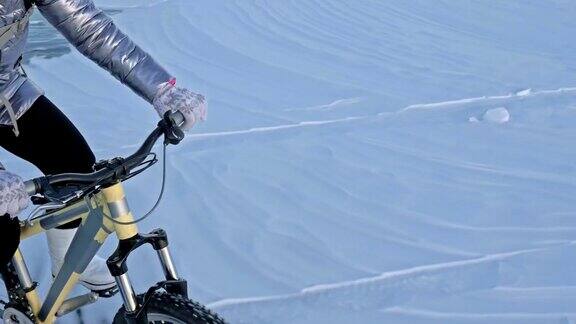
(13, 196)
(192, 105)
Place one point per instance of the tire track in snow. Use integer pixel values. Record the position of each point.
(450, 316)
(461, 104)
(380, 292)
(268, 129)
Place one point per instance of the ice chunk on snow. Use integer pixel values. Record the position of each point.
(498, 115)
(473, 119)
(524, 92)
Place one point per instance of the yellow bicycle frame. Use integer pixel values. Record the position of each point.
(91, 234)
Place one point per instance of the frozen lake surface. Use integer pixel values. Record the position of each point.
(363, 161)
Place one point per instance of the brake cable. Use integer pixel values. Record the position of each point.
(155, 204)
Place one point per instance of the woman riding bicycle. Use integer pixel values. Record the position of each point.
(34, 129)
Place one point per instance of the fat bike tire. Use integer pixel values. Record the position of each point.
(174, 309)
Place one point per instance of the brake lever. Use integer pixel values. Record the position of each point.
(170, 124)
(173, 136)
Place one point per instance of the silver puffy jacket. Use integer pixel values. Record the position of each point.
(92, 32)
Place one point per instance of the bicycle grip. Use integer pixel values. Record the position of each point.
(177, 118)
(31, 187)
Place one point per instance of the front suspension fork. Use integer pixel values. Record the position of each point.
(118, 268)
(129, 240)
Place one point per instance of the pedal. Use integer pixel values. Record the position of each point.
(74, 303)
(106, 293)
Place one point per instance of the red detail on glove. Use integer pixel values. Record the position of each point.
(172, 81)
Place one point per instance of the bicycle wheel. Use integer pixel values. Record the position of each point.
(174, 309)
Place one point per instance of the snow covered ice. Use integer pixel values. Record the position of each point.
(338, 178)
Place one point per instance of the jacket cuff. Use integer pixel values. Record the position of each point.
(146, 78)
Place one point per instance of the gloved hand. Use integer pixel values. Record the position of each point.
(170, 97)
(13, 196)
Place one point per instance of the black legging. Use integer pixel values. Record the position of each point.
(50, 141)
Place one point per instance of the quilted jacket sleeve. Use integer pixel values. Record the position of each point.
(96, 36)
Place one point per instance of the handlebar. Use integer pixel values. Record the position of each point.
(118, 168)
